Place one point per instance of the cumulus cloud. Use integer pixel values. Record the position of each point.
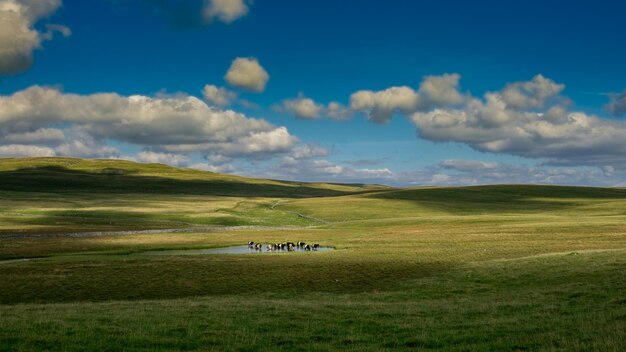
(226, 11)
(338, 112)
(306, 163)
(247, 74)
(54, 141)
(617, 105)
(216, 163)
(220, 168)
(17, 150)
(440, 91)
(179, 124)
(471, 172)
(44, 136)
(467, 165)
(87, 148)
(218, 96)
(554, 133)
(196, 13)
(320, 169)
(529, 119)
(308, 151)
(163, 158)
(302, 107)
(18, 37)
(531, 94)
(308, 109)
(379, 106)
(37, 9)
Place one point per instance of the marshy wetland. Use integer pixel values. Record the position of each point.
(491, 268)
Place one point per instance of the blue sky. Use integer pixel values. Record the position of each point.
(532, 92)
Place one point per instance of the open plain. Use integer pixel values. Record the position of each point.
(486, 268)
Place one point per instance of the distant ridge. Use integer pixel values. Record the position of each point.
(60, 174)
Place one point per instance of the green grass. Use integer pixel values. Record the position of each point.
(490, 268)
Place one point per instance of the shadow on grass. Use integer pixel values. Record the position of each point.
(56, 179)
(96, 279)
(503, 198)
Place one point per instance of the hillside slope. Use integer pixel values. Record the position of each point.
(121, 176)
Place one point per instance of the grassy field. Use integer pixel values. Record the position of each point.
(490, 268)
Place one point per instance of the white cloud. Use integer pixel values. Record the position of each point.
(467, 165)
(304, 164)
(17, 150)
(434, 91)
(248, 74)
(498, 173)
(220, 168)
(56, 28)
(217, 159)
(608, 170)
(311, 167)
(18, 38)
(380, 106)
(308, 151)
(440, 91)
(216, 163)
(439, 179)
(308, 109)
(35, 10)
(39, 136)
(81, 144)
(180, 124)
(562, 137)
(302, 107)
(275, 140)
(532, 94)
(338, 112)
(163, 158)
(528, 119)
(218, 96)
(226, 11)
(87, 149)
(617, 105)
(196, 13)
(325, 170)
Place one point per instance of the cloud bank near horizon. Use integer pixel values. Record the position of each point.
(48, 121)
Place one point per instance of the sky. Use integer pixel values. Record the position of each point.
(397, 92)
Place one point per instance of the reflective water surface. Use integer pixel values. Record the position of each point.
(234, 250)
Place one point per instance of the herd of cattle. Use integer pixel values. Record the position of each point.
(289, 246)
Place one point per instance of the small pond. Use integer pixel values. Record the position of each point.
(233, 250)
